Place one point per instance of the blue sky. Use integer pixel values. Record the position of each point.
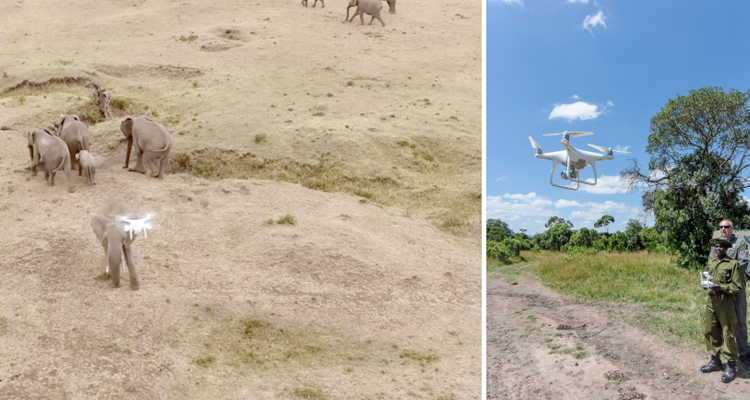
(602, 66)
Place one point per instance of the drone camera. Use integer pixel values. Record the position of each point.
(573, 174)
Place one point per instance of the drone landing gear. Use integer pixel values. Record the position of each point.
(572, 175)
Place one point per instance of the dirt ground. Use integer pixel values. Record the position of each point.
(356, 299)
(527, 321)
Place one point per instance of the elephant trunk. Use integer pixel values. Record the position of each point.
(127, 155)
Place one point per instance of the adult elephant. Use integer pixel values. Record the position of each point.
(75, 134)
(50, 151)
(391, 6)
(152, 143)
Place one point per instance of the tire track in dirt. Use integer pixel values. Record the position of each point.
(534, 335)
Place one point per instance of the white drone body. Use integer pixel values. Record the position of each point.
(574, 159)
(136, 224)
(706, 280)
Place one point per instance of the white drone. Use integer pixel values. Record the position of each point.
(136, 224)
(573, 158)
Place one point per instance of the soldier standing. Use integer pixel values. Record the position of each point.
(739, 252)
(721, 318)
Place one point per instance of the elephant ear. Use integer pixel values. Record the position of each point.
(75, 117)
(126, 127)
(59, 123)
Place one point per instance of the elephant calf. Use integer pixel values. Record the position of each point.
(152, 143)
(116, 241)
(370, 7)
(50, 151)
(89, 164)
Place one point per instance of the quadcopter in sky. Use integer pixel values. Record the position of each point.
(574, 159)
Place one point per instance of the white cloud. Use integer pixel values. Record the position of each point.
(502, 178)
(609, 103)
(531, 211)
(605, 184)
(562, 203)
(577, 1)
(508, 1)
(620, 148)
(522, 197)
(578, 110)
(592, 21)
(575, 96)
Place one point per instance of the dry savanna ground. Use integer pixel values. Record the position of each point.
(317, 236)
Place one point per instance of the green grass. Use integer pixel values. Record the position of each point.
(667, 299)
(516, 266)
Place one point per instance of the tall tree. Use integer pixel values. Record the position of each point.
(498, 230)
(699, 166)
(604, 221)
(557, 220)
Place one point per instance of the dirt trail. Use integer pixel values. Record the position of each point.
(525, 321)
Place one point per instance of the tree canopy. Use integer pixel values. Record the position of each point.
(699, 166)
(604, 221)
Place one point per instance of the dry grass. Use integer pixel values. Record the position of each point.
(365, 285)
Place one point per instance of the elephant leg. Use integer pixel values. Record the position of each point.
(139, 161)
(361, 18)
(51, 180)
(381, 21)
(131, 258)
(92, 175)
(162, 167)
(372, 19)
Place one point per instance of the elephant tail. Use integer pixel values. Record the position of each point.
(167, 147)
(64, 164)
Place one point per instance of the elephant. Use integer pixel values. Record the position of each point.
(152, 143)
(48, 150)
(371, 7)
(391, 6)
(103, 97)
(304, 3)
(89, 163)
(75, 134)
(116, 241)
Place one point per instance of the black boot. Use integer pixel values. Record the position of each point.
(730, 368)
(713, 365)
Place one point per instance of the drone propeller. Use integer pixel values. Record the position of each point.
(607, 149)
(574, 134)
(534, 144)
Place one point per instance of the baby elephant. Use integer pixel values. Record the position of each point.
(89, 164)
(370, 7)
(116, 241)
(304, 3)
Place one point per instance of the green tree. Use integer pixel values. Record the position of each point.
(556, 237)
(557, 220)
(499, 230)
(699, 166)
(604, 221)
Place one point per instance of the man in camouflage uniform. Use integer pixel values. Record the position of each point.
(720, 320)
(739, 252)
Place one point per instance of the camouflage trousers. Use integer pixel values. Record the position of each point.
(720, 326)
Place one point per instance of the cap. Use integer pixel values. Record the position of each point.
(721, 241)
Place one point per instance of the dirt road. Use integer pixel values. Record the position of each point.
(542, 345)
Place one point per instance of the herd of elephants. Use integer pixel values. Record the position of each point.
(68, 146)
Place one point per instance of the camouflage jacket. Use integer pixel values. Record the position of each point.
(726, 274)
